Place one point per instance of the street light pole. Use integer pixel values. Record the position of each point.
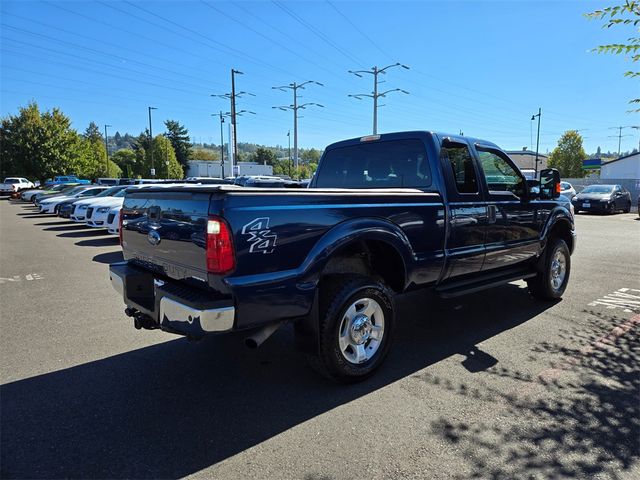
(289, 138)
(222, 115)
(375, 71)
(294, 87)
(106, 147)
(153, 170)
(537, 140)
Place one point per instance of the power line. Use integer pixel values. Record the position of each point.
(316, 32)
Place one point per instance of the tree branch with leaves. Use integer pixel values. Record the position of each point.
(627, 14)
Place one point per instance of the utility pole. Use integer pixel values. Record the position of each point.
(232, 97)
(295, 107)
(533, 117)
(106, 147)
(153, 170)
(375, 71)
(222, 115)
(620, 134)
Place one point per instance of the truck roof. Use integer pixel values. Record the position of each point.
(408, 134)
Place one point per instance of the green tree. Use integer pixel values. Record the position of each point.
(140, 146)
(39, 145)
(310, 155)
(165, 161)
(178, 135)
(568, 155)
(126, 160)
(93, 133)
(264, 156)
(204, 154)
(625, 15)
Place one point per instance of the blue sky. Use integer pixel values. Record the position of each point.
(480, 67)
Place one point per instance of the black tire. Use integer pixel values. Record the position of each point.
(627, 209)
(337, 294)
(545, 286)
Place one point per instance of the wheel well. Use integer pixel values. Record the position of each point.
(370, 258)
(562, 230)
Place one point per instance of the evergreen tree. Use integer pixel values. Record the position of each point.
(178, 135)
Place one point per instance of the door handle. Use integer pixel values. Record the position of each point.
(492, 212)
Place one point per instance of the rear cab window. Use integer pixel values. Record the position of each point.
(386, 164)
(460, 161)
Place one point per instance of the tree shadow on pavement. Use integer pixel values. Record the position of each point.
(579, 418)
(175, 408)
(110, 257)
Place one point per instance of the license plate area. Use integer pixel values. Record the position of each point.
(586, 205)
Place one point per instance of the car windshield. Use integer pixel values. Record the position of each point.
(73, 190)
(110, 192)
(11, 180)
(598, 189)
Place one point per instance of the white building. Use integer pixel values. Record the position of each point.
(627, 167)
(213, 169)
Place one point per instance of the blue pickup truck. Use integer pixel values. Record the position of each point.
(65, 179)
(384, 214)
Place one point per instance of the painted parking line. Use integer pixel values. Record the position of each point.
(20, 278)
(626, 299)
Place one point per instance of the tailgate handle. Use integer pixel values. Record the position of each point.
(153, 213)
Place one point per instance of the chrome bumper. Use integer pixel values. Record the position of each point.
(168, 310)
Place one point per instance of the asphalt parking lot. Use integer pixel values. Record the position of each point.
(493, 385)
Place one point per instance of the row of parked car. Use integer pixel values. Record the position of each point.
(598, 198)
(96, 205)
(99, 205)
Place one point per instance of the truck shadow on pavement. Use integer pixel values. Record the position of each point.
(109, 241)
(109, 257)
(580, 418)
(86, 231)
(173, 409)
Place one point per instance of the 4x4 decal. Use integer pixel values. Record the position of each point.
(261, 238)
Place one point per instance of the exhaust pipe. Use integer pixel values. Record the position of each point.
(258, 338)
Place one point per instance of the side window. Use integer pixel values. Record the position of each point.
(464, 175)
(500, 175)
(617, 189)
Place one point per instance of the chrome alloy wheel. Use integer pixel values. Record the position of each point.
(361, 330)
(558, 270)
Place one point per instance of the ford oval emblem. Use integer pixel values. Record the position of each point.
(153, 237)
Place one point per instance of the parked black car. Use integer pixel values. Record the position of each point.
(602, 198)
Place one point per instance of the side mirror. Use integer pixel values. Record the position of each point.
(533, 186)
(549, 183)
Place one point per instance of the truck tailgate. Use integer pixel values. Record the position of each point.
(165, 231)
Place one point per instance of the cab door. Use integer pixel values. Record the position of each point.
(467, 208)
(514, 222)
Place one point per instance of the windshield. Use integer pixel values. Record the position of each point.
(73, 190)
(598, 189)
(11, 180)
(110, 192)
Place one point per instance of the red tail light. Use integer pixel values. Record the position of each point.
(120, 226)
(220, 255)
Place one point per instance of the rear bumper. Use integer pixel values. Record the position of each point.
(170, 306)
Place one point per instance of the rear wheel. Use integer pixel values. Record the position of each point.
(551, 282)
(357, 318)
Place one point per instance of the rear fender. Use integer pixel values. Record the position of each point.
(350, 232)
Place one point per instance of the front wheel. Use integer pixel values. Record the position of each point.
(357, 319)
(551, 281)
(627, 209)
